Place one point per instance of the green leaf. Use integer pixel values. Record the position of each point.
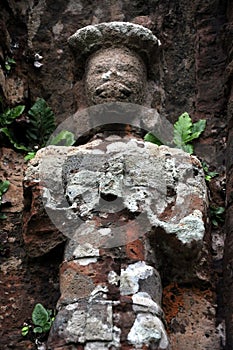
(149, 137)
(182, 129)
(208, 174)
(12, 141)
(205, 167)
(64, 138)
(42, 123)
(38, 330)
(50, 312)
(11, 60)
(188, 148)
(30, 156)
(219, 210)
(40, 315)
(185, 131)
(197, 129)
(213, 174)
(16, 111)
(11, 114)
(25, 331)
(8, 67)
(32, 135)
(208, 178)
(4, 185)
(214, 222)
(2, 216)
(217, 215)
(47, 326)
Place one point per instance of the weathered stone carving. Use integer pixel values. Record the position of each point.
(122, 203)
(135, 37)
(110, 263)
(115, 74)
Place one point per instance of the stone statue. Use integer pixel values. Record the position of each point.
(128, 199)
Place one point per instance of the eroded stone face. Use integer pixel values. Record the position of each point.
(115, 74)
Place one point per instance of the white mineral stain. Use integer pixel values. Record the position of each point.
(113, 277)
(87, 261)
(129, 279)
(148, 329)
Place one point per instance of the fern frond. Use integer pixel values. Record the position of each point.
(42, 123)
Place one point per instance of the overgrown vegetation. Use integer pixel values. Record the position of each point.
(40, 123)
(4, 185)
(185, 131)
(40, 323)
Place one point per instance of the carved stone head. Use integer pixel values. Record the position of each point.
(115, 74)
(117, 57)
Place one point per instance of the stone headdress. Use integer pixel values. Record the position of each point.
(135, 37)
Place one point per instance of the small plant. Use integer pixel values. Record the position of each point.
(4, 185)
(40, 126)
(217, 215)
(6, 119)
(8, 63)
(42, 320)
(42, 123)
(185, 131)
(209, 175)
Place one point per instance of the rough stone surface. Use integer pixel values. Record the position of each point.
(98, 201)
(193, 67)
(228, 261)
(115, 74)
(39, 241)
(124, 170)
(181, 304)
(148, 329)
(134, 36)
(12, 201)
